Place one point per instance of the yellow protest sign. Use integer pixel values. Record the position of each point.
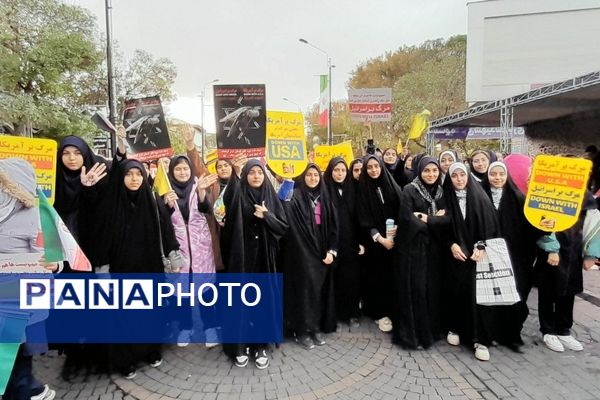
(286, 143)
(211, 161)
(324, 153)
(556, 191)
(41, 153)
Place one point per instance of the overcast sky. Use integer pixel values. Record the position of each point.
(256, 41)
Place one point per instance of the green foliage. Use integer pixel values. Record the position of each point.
(53, 74)
(42, 44)
(429, 76)
(176, 128)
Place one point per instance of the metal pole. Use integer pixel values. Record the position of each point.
(329, 66)
(329, 112)
(112, 100)
(202, 93)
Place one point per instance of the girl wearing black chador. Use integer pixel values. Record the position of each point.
(378, 201)
(473, 221)
(341, 186)
(418, 277)
(309, 250)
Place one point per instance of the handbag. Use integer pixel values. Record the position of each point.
(495, 279)
(172, 262)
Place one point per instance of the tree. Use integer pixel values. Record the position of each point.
(44, 44)
(430, 76)
(53, 74)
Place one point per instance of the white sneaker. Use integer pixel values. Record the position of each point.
(481, 352)
(47, 394)
(184, 337)
(385, 324)
(570, 343)
(212, 338)
(553, 343)
(453, 339)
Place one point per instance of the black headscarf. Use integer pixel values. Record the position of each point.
(239, 200)
(351, 168)
(347, 186)
(491, 156)
(390, 167)
(430, 192)
(182, 189)
(68, 183)
(423, 162)
(133, 230)
(300, 212)
(372, 212)
(480, 223)
(252, 196)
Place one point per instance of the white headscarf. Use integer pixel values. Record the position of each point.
(17, 184)
(496, 192)
(450, 153)
(457, 165)
(461, 195)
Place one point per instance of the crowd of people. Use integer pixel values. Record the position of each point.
(389, 238)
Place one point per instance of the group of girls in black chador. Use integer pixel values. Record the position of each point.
(392, 238)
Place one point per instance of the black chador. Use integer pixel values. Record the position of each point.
(418, 277)
(473, 220)
(133, 246)
(347, 269)
(309, 296)
(80, 207)
(378, 199)
(250, 244)
(520, 238)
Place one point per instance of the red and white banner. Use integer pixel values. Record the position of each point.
(370, 105)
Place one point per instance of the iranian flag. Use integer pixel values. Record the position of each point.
(324, 101)
(58, 243)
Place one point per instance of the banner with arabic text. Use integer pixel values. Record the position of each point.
(240, 115)
(324, 153)
(556, 192)
(41, 153)
(286, 143)
(370, 105)
(146, 129)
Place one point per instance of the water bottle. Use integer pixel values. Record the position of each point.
(389, 227)
(286, 190)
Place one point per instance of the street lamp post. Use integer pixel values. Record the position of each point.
(202, 94)
(294, 103)
(329, 66)
(112, 99)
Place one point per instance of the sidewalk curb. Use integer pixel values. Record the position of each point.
(589, 297)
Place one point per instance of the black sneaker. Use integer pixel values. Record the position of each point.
(241, 359)
(130, 373)
(305, 341)
(318, 338)
(261, 359)
(156, 363)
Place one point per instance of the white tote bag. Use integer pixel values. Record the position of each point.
(495, 278)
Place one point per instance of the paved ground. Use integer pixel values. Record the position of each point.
(362, 364)
(591, 287)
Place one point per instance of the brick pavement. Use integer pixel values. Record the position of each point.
(362, 364)
(591, 286)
